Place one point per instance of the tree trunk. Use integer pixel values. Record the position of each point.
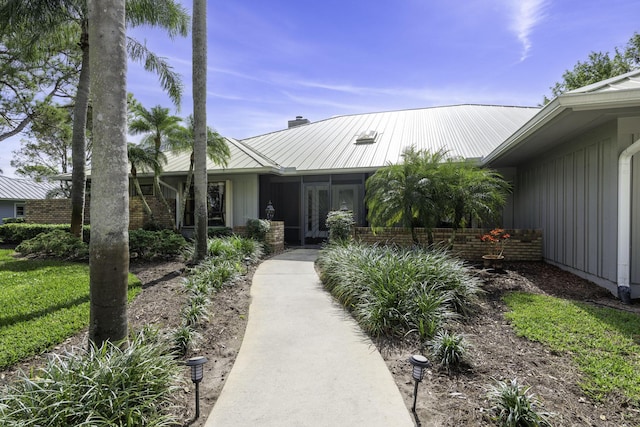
(145, 205)
(185, 193)
(78, 138)
(200, 125)
(109, 249)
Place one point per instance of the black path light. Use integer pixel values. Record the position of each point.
(420, 364)
(270, 211)
(197, 368)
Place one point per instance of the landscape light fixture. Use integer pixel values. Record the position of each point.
(247, 262)
(270, 211)
(420, 363)
(197, 368)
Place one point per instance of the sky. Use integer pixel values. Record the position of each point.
(270, 61)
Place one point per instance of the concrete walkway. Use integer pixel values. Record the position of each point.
(303, 360)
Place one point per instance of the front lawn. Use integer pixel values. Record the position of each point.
(602, 341)
(42, 302)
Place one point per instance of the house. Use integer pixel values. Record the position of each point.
(576, 177)
(572, 163)
(15, 192)
(309, 168)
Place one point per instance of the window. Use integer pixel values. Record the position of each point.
(367, 137)
(19, 210)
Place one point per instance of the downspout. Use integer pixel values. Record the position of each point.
(624, 221)
(177, 200)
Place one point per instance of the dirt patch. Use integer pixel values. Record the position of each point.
(443, 400)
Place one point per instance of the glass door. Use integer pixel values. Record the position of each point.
(317, 207)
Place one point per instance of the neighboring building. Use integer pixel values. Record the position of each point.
(14, 192)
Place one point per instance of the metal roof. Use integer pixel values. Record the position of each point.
(468, 131)
(23, 189)
(243, 158)
(627, 81)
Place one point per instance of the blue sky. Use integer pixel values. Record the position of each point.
(269, 61)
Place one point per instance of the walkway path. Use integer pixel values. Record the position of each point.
(303, 360)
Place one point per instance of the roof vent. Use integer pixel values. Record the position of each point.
(367, 137)
(297, 122)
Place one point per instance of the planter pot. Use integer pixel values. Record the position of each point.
(495, 261)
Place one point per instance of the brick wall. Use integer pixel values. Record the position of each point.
(524, 245)
(58, 211)
(274, 238)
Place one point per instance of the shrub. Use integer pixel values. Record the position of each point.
(449, 349)
(340, 223)
(183, 338)
(149, 245)
(398, 292)
(18, 232)
(219, 231)
(257, 229)
(514, 406)
(109, 385)
(56, 243)
(12, 220)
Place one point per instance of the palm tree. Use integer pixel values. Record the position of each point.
(163, 132)
(145, 159)
(109, 248)
(405, 194)
(199, 46)
(473, 193)
(217, 152)
(45, 19)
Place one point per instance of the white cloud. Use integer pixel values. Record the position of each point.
(525, 15)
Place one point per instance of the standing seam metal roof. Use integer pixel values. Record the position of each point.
(23, 189)
(468, 131)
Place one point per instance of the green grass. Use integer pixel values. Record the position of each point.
(602, 341)
(42, 303)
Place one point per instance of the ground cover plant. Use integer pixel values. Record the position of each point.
(131, 385)
(602, 341)
(398, 292)
(43, 302)
(227, 258)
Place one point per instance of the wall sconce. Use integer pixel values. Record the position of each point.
(419, 363)
(197, 371)
(270, 211)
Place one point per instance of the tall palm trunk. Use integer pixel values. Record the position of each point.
(200, 125)
(78, 138)
(109, 250)
(186, 192)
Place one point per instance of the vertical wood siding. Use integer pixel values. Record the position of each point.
(571, 194)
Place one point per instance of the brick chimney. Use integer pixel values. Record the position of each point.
(298, 121)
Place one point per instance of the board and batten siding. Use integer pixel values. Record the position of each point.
(571, 194)
(244, 194)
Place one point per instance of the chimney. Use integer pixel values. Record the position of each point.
(297, 122)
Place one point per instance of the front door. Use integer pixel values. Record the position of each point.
(317, 205)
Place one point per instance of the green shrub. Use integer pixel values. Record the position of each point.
(56, 243)
(514, 406)
(12, 220)
(219, 231)
(449, 349)
(18, 232)
(107, 386)
(398, 292)
(183, 338)
(258, 228)
(150, 245)
(340, 223)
